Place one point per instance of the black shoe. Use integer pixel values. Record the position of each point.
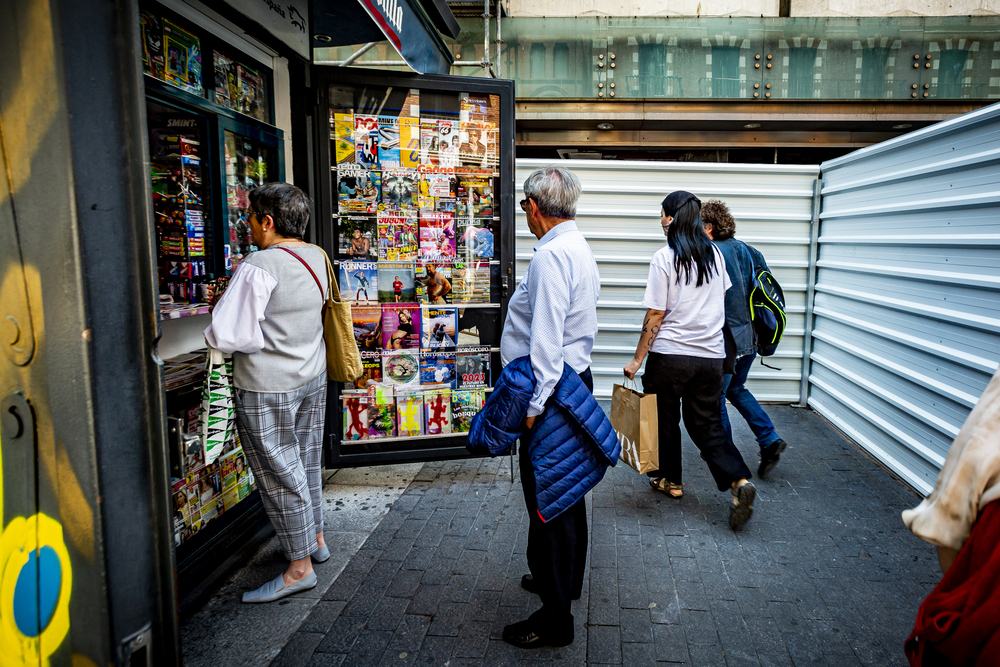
(526, 634)
(528, 584)
(769, 456)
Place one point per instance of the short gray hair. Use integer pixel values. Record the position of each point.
(555, 190)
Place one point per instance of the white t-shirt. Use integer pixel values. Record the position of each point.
(692, 325)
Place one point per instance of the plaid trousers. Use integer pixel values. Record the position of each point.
(282, 436)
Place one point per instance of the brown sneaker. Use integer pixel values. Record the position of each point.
(742, 508)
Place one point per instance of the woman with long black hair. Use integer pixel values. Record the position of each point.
(682, 334)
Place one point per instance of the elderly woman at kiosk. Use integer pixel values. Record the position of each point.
(270, 319)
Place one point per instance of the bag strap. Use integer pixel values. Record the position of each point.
(308, 268)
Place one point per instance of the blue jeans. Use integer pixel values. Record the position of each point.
(734, 388)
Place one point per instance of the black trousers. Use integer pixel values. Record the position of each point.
(557, 550)
(691, 386)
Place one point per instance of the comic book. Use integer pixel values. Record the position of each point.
(226, 82)
(397, 235)
(358, 237)
(430, 151)
(440, 328)
(410, 413)
(371, 363)
(449, 142)
(437, 411)
(152, 44)
(400, 188)
(381, 410)
(401, 368)
(433, 281)
(358, 189)
(251, 93)
(474, 195)
(343, 130)
(396, 280)
(182, 66)
(358, 282)
(471, 281)
(464, 406)
(475, 239)
(367, 327)
(388, 142)
(366, 141)
(400, 326)
(409, 142)
(355, 414)
(437, 368)
(437, 235)
(472, 367)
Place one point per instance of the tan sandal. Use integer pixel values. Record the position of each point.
(669, 488)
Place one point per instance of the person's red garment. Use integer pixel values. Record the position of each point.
(960, 619)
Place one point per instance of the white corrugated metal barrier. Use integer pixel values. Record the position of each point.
(907, 302)
(619, 213)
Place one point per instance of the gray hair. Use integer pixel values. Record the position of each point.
(555, 190)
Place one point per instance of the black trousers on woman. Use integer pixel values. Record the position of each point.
(557, 550)
(691, 386)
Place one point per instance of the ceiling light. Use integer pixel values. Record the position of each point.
(323, 38)
(752, 126)
(902, 126)
(605, 126)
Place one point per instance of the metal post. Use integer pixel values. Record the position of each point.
(486, 35)
(810, 291)
(499, 43)
(357, 54)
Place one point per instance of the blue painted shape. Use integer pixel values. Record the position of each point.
(36, 592)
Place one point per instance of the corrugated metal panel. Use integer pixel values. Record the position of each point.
(619, 212)
(907, 306)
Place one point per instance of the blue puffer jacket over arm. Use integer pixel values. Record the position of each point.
(571, 445)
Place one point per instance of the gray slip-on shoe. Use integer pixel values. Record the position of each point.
(322, 554)
(276, 589)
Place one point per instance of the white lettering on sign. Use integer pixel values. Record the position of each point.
(392, 11)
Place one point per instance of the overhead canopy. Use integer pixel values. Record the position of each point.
(411, 26)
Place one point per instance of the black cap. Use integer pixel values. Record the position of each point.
(675, 200)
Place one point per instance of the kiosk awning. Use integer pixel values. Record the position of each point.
(411, 26)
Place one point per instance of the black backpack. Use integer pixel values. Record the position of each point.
(767, 308)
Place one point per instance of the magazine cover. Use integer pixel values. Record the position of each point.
(397, 235)
(152, 44)
(371, 363)
(433, 282)
(401, 368)
(475, 239)
(388, 142)
(183, 58)
(448, 143)
(355, 414)
(251, 93)
(343, 130)
(430, 150)
(226, 88)
(409, 410)
(359, 282)
(437, 235)
(440, 327)
(475, 147)
(400, 188)
(396, 281)
(473, 108)
(437, 368)
(437, 411)
(367, 327)
(358, 237)
(366, 141)
(381, 411)
(400, 326)
(464, 406)
(475, 193)
(472, 367)
(358, 189)
(409, 142)
(471, 281)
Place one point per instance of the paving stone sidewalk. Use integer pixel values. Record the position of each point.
(824, 574)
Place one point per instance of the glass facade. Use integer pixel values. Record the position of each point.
(890, 58)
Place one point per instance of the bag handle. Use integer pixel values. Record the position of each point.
(632, 381)
(308, 268)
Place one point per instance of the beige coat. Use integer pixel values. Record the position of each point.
(969, 479)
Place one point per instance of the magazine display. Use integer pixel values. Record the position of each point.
(417, 251)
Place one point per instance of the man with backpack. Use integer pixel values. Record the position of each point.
(756, 324)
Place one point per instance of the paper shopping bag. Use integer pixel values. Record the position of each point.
(633, 416)
(217, 417)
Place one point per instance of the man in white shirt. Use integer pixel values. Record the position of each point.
(552, 317)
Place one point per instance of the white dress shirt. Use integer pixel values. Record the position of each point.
(552, 315)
